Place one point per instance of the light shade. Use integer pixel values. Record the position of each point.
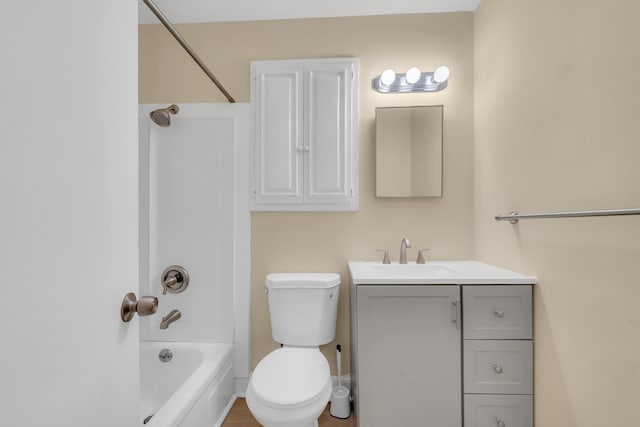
(441, 74)
(412, 75)
(387, 77)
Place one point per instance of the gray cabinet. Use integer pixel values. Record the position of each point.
(410, 345)
(408, 356)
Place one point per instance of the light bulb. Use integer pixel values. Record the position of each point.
(441, 74)
(413, 75)
(388, 77)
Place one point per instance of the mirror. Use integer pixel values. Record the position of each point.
(409, 151)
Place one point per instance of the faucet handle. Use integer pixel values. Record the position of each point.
(420, 259)
(386, 259)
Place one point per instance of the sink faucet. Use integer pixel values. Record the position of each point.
(170, 318)
(403, 250)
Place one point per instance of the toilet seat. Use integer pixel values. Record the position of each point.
(291, 377)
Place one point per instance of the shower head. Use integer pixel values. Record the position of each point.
(162, 116)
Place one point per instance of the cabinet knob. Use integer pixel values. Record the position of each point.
(500, 423)
(498, 369)
(499, 313)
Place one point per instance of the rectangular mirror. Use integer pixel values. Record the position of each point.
(409, 151)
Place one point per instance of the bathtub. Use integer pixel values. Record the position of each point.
(194, 389)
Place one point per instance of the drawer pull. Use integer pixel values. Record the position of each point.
(500, 423)
(499, 313)
(498, 370)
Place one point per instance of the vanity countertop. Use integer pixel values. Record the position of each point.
(463, 272)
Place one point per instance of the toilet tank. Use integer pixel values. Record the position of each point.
(303, 307)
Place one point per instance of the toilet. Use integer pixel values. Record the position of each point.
(292, 385)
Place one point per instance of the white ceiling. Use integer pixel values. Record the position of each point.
(183, 11)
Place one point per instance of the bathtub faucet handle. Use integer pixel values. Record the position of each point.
(175, 279)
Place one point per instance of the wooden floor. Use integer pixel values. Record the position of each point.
(240, 416)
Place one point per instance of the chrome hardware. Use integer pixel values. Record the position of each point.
(386, 259)
(156, 11)
(456, 304)
(497, 368)
(165, 355)
(500, 423)
(499, 313)
(421, 259)
(130, 306)
(403, 250)
(175, 279)
(514, 217)
(170, 318)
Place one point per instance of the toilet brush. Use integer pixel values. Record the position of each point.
(340, 405)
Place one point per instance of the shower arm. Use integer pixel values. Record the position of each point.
(186, 47)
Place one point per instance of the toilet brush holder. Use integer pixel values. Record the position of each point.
(340, 395)
(340, 402)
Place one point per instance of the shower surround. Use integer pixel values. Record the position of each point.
(194, 213)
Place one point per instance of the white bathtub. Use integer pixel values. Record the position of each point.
(194, 389)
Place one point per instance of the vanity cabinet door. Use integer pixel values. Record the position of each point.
(409, 371)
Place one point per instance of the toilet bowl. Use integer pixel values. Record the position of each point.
(290, 387)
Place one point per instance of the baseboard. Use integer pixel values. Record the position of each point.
(241, 385)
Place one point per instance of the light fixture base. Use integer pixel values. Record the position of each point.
(425, 83)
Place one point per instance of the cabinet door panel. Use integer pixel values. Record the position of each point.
(498, 366)
(327, 130)
(497, 312)
(409, 356)
(278, 134)
(498, 410)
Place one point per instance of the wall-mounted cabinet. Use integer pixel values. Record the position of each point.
(305, 151)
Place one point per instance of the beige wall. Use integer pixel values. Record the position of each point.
(326, 241)
(557, 127)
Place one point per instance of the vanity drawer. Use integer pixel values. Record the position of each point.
(497, 312)
(486, 410)
(493, 366)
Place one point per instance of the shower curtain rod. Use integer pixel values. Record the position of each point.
(151, 5)
(513, 217)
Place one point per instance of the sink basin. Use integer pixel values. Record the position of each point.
(433, 272)
(412, 270)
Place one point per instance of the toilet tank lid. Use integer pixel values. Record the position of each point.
(302, 280)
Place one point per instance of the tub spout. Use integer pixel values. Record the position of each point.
(170, 318)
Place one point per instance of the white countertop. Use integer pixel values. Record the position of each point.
(464, 272)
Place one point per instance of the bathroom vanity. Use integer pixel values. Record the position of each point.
(441, 344)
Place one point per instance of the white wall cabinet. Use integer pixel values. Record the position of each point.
(305, 152)
(410, 344)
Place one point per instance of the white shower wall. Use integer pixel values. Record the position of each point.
(194, 214)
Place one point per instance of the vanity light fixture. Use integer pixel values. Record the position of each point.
(412, 81)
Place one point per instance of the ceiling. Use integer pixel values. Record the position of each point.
(185, 11)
